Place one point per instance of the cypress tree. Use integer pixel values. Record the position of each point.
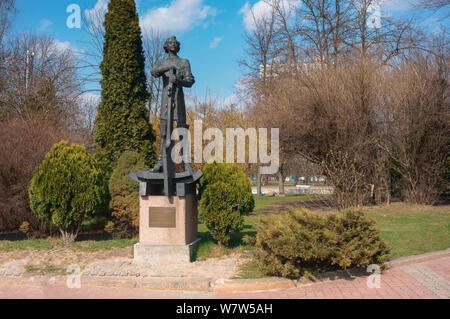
(122, 120)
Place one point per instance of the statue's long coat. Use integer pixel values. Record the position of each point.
(183, 69)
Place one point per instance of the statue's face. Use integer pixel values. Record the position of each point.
(172, 45)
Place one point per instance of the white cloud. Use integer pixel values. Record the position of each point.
(228, 101)
(215, 43)
(374, 19)
(63, 46)
(90, 97)
(262, 9)
(396, 5)
(44, 24)
(178, 16)
(97, 11)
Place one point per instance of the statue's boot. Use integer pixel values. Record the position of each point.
(187, 167)
(159, 165)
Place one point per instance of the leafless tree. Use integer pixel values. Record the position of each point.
(285, 31)
(93, 55)
(260, 50)
(433, 4)
(323, 27)
(153, 42)
(325, 110)
(7, 11)
(39, 76)
(416, 117)
(24, 143)
(85, 120)
(438, 8)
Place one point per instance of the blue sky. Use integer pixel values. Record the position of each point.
(210, 31)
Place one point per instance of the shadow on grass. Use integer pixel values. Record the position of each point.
(14, 237)
(101, 236)
(209, 247)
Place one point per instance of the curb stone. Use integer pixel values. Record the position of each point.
(263, 284)
(184, 284)
(414, 259)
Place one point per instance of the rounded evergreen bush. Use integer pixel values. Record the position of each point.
(67, 187)
(124, 193)
(226, 197)
(293, 244)
(299, 243)
(358, 241)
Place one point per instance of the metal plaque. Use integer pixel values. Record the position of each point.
(162, 217)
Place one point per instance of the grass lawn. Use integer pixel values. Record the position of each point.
(34, 244)
(92, 245)
(208, 247)
(262, 202)
(411, 229)
(50, 243)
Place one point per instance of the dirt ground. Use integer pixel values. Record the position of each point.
(59, 258)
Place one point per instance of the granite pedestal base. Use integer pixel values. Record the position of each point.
(164, 254)
(168, 230)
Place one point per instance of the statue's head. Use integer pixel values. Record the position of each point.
(169, 41)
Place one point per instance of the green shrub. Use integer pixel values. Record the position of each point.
(299, 243)
(226, 197)
(24, 228)
(358, 241)
(124, 193)
(293, 243)
(109, 227)
(67, 187)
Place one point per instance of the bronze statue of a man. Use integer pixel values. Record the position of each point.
(176, 74)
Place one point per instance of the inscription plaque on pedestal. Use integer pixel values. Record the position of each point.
(162, 217)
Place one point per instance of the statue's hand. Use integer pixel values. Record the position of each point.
(180, 76)
(172, 78)
(169, 69)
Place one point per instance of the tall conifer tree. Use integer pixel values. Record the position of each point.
(122, 120)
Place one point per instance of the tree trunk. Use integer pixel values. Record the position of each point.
(372, 193)
(259, 182)
(281, 184)
(69, 236)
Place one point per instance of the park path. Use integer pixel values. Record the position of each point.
(424, 280)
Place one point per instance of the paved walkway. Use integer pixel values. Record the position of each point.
(126, 268)
(425, 280)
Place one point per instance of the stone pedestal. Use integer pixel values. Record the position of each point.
(168, 230)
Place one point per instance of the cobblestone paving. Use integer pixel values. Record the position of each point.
(13, 269)
(426, 280)
(211, 269)
(430, 279)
